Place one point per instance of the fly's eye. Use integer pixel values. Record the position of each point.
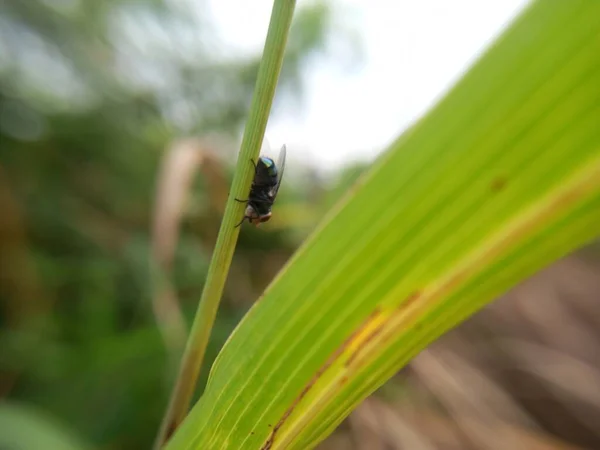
(270, 166)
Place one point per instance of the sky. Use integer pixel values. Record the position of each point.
(413, 52)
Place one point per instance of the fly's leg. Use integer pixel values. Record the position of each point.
(242, 221)
(255, 200)
(254, 164)
(245, 217)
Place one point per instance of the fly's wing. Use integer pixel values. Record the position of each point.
(280, 168)
(265, 147)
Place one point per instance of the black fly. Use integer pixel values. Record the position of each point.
(267, 179)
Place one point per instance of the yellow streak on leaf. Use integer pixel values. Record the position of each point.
(366, 331)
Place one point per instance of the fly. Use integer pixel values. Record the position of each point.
(266, 183)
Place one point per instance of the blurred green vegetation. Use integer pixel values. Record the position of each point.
(91, 96)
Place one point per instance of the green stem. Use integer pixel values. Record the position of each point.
(268, 75)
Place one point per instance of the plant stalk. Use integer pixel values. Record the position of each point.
(268, 75)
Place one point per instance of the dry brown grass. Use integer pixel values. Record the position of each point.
(524, 373)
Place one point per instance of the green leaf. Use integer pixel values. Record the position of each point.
(25, 428)
(500, 179)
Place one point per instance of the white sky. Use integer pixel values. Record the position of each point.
(414, 50)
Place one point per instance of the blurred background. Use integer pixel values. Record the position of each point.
(120, 123)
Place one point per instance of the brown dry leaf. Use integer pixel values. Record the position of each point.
(532, 357)
(181, 163)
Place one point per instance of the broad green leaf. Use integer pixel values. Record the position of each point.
(501, 178)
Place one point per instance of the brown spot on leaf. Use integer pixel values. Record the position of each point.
(170, 431)
(406, 304)
(498, 184)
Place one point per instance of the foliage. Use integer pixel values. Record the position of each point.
(501, 178)
(83, 131)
